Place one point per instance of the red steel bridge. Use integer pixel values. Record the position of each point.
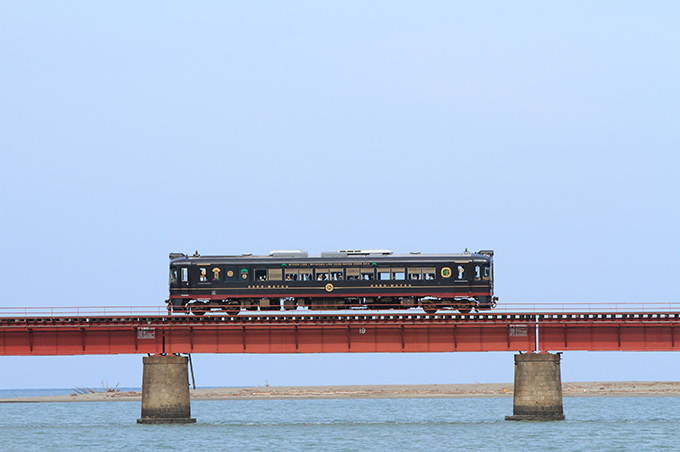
(100, 331)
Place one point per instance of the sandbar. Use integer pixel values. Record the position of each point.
(469, 390)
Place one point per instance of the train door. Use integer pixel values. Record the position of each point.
(462, 278)
(204, 279)
(179, 287)
(184, 280)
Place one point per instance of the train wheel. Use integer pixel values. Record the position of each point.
(390, 303)
(289, 304)
(199, 308)
(232, 309)
(270, 304)
(464, 306)
(429, 309)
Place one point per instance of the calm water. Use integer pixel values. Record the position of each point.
(592, 425)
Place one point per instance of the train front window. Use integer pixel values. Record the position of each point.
(486, 273)
(173, 276)
(185, 274)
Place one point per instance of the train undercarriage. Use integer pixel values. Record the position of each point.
(233, 306)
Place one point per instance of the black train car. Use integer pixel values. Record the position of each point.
(368, 279)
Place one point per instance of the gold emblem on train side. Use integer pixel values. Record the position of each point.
(446, 272)
(230, 273)
(329, 287)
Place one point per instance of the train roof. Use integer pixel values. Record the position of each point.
(289, 256)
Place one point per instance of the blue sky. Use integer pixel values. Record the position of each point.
(545, 131)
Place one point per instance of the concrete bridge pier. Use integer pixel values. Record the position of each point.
(165, 390)
(538, 388)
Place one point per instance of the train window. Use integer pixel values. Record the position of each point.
(291, 274)
(383, 273)
(275, 274)
(353, 274)
(478, 272)
(173, 275)
(486, 273)
(260, 275)
(414, 273)
(306, 274)
(321, 274)
(203, 274)
(185, 274)
(336, 274)
(215, 273)
(367, 274)
(461, 272)
(398, 273)
(244, 274)
(428, 273)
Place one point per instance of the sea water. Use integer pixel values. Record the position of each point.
(368, 425)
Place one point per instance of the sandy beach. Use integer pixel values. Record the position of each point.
(575, 389)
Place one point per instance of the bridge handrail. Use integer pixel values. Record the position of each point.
(502, 308)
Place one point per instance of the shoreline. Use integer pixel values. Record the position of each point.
(467, 390)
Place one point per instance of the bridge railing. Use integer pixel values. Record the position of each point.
(502, 308)
(567, 307)
(82, 311)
